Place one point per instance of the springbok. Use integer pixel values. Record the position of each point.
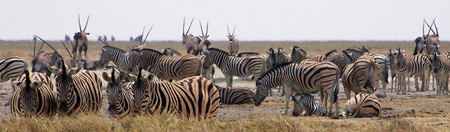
(204, 43)
(81, 40)
(190, 41)
(233, 47)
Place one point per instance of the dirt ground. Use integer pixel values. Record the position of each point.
(414, 106)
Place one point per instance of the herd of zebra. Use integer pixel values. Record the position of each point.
(147, 81)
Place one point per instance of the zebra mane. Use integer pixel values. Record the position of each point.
(150, 50)
(219, 50)
(274, 69)
(114, 48)
(329, 53)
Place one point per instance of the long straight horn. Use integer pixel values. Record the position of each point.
(142, 35)
(104, 42)
(47, 43)
(207, 27)
(430, 29)
(201, 27)
(435, 26)
(87, 21)
(228, 28)
(147, 35)
(234, 30)
(66, 49)
(190, 26)
(423, 27)
(79, 23)
(184, 24)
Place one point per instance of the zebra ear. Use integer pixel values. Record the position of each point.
(54, 69)
(150, 77)
(37, 84)
(106, 77)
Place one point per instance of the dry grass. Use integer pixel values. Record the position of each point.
(405, 114)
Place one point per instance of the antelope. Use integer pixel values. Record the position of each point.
(204, 43)
(42, 60)
(190, 41)
(428, 41)
(81, 40)
(233, 47)
(142, 44)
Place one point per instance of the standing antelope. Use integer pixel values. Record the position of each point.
(233, 47)
(81, 40)
(429, 41)
(190, 41)
(204, 43)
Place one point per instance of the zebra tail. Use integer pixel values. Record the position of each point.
(386, 72)
(336, 88)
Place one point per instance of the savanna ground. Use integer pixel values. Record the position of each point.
(414, 111)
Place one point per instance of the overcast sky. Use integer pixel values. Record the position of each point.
(293, 20)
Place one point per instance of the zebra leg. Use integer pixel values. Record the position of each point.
(347, 92)
(416, 83)
(229, 80)
(287, 98)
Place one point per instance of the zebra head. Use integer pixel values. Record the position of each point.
(271, 59)
(140, 92)
(233, 47)
(65, 84)
(435, 61)
(80, 38)
(28, 93)
(298, 54)
(400, 57)
(114, 87)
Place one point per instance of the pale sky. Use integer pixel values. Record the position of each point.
(292, 20)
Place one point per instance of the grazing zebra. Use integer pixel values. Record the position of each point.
(382, 61)
(193, 97)
(306, 77)
(307, 103)
(441, 67)
(236, 66)
(121, 100)
(11, 68)
(78, 90)
(362, 105)
(235, 95)
(33, 96)
(125, 62)
(419, 65)
(361, 76)
(168, 67)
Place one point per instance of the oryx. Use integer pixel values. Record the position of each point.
(429, 41)
(81, 40)
(190, 41)
(204, 43)
(233, 47)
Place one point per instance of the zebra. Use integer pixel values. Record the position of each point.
(171, 52)
(78, 90)
(235, 95)
(441, 67)
(193, 97)
(11, 68)
(341, 60)
(361, 76)
(275, 58)
(236, 66)
(307, 77)
(392, 68)
(382, 61)
(307, 103)
(168, 67)
(419, 65)
(233, 47)
(33, 96)
(299, 55)
(125, 62)
(362, 105)
(121, 100)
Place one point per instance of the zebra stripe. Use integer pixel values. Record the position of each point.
(362, 105)
(126, 62)
(33, 96)
(361, 76)
(307, 103)
(236, 66)
(193, 97)
(78, 91)
(235, 95)
(12, 68)
(168, 67)
(121, 100)
(441, 69)
(306, 77)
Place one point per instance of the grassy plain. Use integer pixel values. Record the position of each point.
(416, 111)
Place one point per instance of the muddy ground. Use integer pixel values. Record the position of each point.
(414, 106)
